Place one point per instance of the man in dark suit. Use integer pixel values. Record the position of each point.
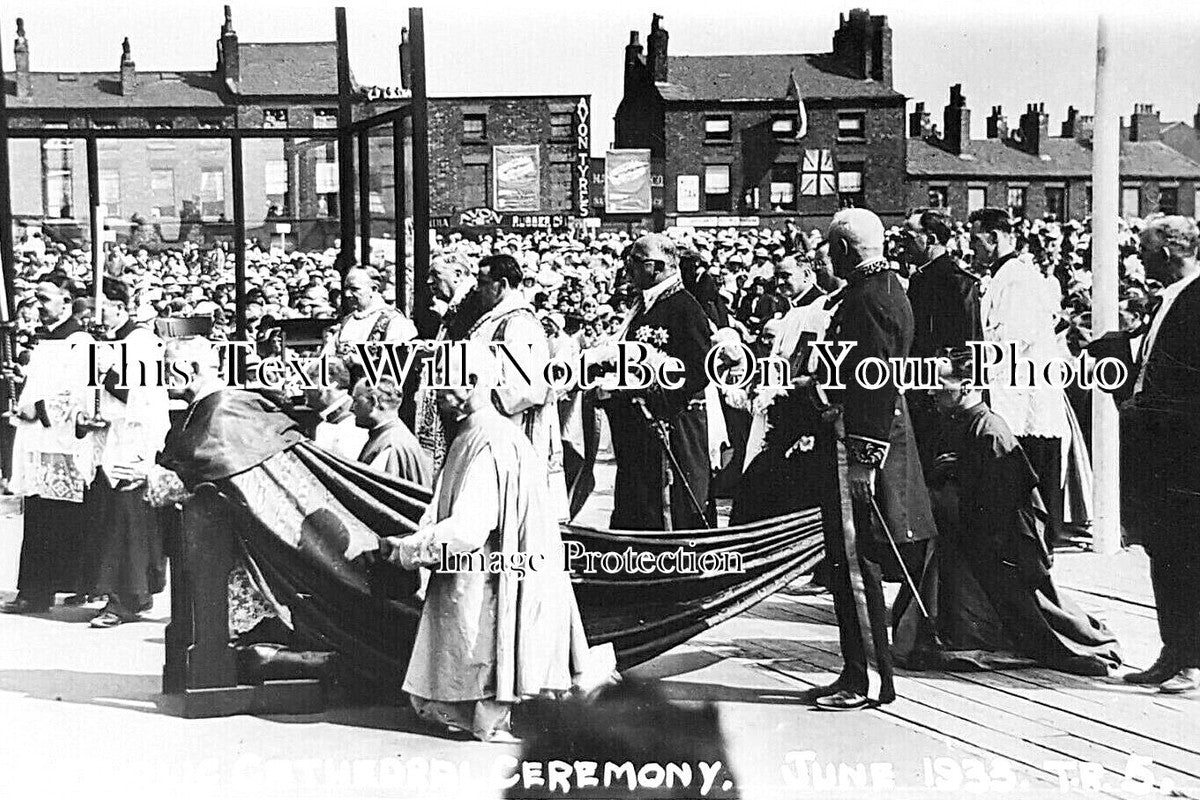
(887, 494)
(649, 493)
(945, 306)
(1160, 436)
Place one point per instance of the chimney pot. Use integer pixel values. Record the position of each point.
(128, 69)
(21, 59)
(656, 57)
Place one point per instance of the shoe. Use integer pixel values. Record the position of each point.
(1186, 680)
(814, 694)
(107, 619)
(1087, 666)
(845, 700)
(23, 606)
(1161, 670)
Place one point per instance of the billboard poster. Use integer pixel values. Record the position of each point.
(627, 182)
(687, 193)
(583, 156)
(517, 181)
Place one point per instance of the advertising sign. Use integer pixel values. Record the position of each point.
(583, 156)
(627, 182)
(517, 182)
(687, 193)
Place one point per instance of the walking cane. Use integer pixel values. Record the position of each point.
(660, 429)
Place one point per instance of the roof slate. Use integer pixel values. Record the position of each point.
(283, 68)
(1062, 158)
(765, 77)
(71, 90)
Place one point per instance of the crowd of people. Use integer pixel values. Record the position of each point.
(973, 485)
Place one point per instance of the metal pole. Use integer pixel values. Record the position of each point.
(1106, 153)
(400, 212)
(364, 196)
(345, 143)
(239, 234)
(423, 316)
(96, 226)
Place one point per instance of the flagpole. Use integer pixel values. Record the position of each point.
(1106, 154)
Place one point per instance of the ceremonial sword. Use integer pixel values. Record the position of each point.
(664, 438)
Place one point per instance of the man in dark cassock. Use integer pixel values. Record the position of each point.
(123, 552)
(649, 494)
(1160, 436)
(52, 468)
(996, 598)
(945, 305)
(886, 490)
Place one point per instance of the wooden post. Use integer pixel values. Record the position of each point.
(423, 316)
(7, 263)
(1106, 180)
(239, 234)
(345, 144)
(400, 204)
(364, 196)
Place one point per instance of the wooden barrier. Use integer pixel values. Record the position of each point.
(201, 661)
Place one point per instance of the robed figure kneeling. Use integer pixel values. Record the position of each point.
(997, 606)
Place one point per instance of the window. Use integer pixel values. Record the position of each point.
(1056, 202)
(976, 198)
(110, 192)
(1016, 202)
(850, 186)
(162, 192)
(1130, 200)
(783, 187)
(852, 125)
(475, 127)
(718, 129)
(561, 187)
(750, 200)
(327, 187)
(212, 192)
(275, 118)
(561, 123)
(275, 182)
(1168, 200)
(58, 167)
(939, 196)
(476, 184)
(325, 118)
(783, 127)
(716, 187)
(816, 174)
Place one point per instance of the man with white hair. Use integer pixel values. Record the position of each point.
(882, 491)
(1160, 435)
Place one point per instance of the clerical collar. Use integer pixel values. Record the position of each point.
(872, 266)
(367, 312)
(385, 425)
(659, 290)
(1002, 260)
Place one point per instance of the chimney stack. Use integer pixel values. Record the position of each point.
(228, 60)
(21, 57)
(405, 59)
(1196, 118)
(956, 119)
(128, 70)
(1071, 123)
(656, 58)
(1035, 128)
(633, 60)
(1144, 125)
(997, 124)
(920, 126)
(862, 44)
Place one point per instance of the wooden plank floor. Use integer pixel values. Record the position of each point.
(1052, 725)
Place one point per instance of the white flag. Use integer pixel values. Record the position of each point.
(801, 113)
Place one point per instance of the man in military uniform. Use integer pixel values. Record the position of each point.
(649, 493)
(882, 488)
